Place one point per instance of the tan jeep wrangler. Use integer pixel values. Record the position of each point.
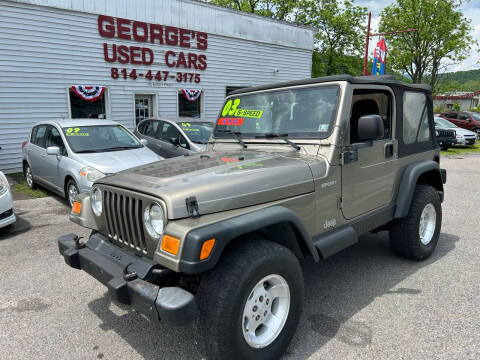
(293, 170)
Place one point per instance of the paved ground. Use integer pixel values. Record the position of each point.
(363, 303)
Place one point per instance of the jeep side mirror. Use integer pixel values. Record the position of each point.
(144, 142)
(174, 141)
(53, 150)
(370, 127)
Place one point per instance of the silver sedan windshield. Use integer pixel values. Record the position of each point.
(88, 139)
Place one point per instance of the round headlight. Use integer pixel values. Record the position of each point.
(154, 220)
(96, 201)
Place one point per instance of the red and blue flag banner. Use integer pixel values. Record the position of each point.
(379, 58)
(191, 94)
(88, 92)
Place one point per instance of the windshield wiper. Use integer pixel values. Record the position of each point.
(283, 136)
(237, 134)
(88, 151)
(118, 148)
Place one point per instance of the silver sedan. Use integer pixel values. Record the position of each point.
(67, 156)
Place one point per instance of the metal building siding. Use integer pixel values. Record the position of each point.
(45, 50)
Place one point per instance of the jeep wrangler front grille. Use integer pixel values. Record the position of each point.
(123, 215)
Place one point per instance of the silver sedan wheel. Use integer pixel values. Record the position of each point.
(428, 222)
(72, 193)
(28, 176)
(266, 311)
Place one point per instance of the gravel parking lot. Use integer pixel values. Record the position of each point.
(362, 303)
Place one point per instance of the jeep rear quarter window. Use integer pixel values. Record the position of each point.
(415, 118)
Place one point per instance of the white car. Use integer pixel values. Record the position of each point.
(7, 216)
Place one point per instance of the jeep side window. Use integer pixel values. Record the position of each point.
(415, 118)
(371, 102)
(463, 117)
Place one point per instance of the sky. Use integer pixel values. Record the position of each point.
(471, 11)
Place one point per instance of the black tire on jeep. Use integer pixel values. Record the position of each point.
(416, 235)
(255, 292)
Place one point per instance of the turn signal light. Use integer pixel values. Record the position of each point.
(77, 207)
(207, 248)
(170, 244)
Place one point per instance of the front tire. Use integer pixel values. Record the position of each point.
(251, 302)
(416, 235)
(71, 191)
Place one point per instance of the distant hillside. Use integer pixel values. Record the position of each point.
(461, 76)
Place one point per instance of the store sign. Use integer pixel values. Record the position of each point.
(183, 66)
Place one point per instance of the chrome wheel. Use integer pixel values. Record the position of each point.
(266, 311)
(72, 193)
(29, 176)
(428, 221)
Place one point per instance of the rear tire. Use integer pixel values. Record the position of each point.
(244, 311)
(28, 174)
(415, 236)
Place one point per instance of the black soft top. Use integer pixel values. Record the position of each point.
(388, 80)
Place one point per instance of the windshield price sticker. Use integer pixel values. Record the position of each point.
(75, 132)
(231, 109)
(230, 121)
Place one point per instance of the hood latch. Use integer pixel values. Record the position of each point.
(192, 207)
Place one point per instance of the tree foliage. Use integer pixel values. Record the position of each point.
(339, 36)
(339, 24)
(443, 37)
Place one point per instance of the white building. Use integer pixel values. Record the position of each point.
(466, 100)
(141, 56)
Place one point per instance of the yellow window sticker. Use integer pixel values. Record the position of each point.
(75, 132)
(249, 113)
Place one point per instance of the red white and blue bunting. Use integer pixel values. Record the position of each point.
(191, 94)
(88, 92)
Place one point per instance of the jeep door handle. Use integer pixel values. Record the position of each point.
(388, 150)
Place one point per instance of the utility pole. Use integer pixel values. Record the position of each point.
(367, 40)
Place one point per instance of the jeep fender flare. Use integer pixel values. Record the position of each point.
(226, 230)
(429, 171)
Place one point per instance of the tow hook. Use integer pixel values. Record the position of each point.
(78, 245)
(129, 276)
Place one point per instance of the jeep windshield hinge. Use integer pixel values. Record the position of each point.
(192, 207)
(349, 156)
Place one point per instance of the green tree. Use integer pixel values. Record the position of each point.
(340, 35)
(276, 9)
(443, 36)
(339, 23)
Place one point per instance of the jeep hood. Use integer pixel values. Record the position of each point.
(220, 181)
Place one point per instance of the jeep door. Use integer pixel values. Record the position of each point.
(368, 172)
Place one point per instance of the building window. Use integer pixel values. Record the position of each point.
(87, 102)
(190, 103)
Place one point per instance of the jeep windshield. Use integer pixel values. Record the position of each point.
(100, 138)
(299, 113)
